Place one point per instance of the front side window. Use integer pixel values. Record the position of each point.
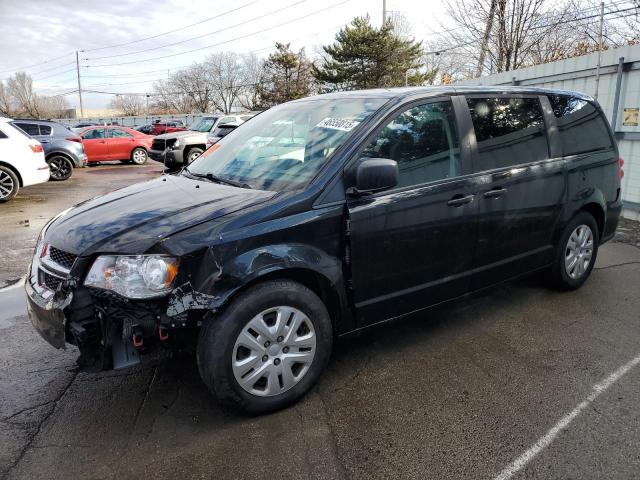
(93, 134)
(581, 128)
(509, 131)
(285, 147)
(117, 133)
(424, 142)
(28, 128)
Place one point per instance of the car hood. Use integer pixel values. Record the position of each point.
(135, 218)
(180, 134)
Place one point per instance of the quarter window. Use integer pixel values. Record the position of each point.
(424, 142)
(581, 128)
(509, 131)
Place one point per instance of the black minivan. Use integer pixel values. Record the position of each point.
(321, 217)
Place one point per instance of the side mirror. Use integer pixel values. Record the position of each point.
(373, 175)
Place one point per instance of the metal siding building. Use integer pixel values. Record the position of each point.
(619, 79)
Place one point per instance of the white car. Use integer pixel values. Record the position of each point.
(21, 160)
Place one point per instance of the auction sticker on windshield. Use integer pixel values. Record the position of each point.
(343, 124)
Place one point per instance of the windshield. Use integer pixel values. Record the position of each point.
(203, 125)
(284, 147)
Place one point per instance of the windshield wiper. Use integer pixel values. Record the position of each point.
(214, 178)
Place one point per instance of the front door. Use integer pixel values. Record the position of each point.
(412, 246)
(95, 144)
(520, 189)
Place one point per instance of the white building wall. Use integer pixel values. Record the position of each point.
(578, 74)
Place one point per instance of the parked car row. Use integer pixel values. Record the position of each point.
(64, 149)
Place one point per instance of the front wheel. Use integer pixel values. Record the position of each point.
(139, 156)
(60, 168)
(192, 155)
(267, 348)
(576, 252)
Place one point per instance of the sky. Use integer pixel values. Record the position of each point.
(42, 36)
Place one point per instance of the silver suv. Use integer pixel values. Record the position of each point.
(178, 149)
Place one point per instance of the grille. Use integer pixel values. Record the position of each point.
(160, 144)
(62, 258)
(50, 281)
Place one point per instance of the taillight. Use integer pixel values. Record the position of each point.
(620, 170)
(36, 148)
(74, 139)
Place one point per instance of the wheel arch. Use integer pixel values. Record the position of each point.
(14, 170)
(598, 213)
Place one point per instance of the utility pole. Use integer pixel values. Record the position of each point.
(599, 49)
(79, 85)
(384, 11)
(485, 38)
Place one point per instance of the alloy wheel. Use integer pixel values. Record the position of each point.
(579, 251)
(274, 351)
(60, 168)
(6, 185)
(139, 157)
(193, 156)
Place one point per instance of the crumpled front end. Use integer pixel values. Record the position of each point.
(110, 330)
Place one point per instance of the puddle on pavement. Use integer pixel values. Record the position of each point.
(13, 303)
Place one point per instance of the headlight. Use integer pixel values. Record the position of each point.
(134, 276)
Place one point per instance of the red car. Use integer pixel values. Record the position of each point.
(115, 143)
(159, 128)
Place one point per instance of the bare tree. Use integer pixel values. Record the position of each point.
(253, 70)
(128, 105)
(226, 79)
(5, 100)
(20, 88)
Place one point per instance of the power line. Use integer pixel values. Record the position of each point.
(225, 42)
(536, 27)
(170, 31)
(54, 74)
(36, 64)
(259, 17)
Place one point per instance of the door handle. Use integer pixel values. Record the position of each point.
(459, 200)
(495, 192)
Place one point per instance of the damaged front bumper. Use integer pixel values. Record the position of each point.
(110, 330)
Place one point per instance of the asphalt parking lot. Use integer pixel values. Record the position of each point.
(519, 382)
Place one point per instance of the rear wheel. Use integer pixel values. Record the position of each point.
(9, 184)
(139, 156)
(267, 348)
(60, 167)
(576, 252)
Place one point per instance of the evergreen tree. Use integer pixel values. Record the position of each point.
(364, 56)
(287, 76)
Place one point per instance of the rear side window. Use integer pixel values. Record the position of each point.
(581, 128)
(45, 130)
(117, 133)
(94, 133)
(509, 131)
(2, 134)
(28, 128)
(424, 142)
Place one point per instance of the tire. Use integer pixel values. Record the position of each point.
(579, 241)
(139, 156)
(274, 379)
(191, 155)
(9, 184)
(60, 167)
